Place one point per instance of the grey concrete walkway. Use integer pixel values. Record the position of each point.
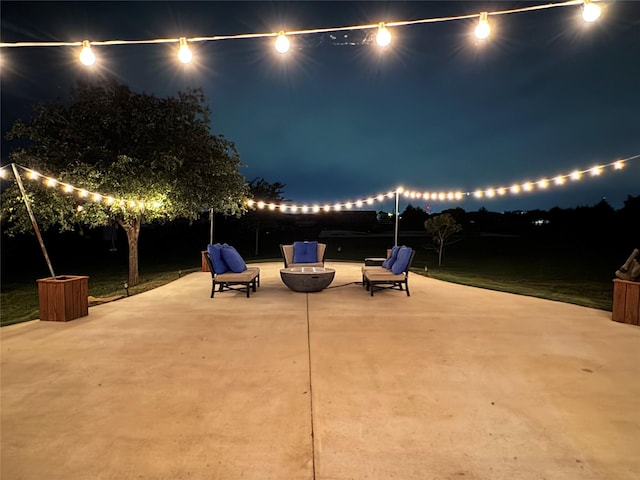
(453, 382)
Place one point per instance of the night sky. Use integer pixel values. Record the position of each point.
(337, 118)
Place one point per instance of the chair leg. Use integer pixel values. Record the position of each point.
(248, 289)
(406, 284)
(213, 289)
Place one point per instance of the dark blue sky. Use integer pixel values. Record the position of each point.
(435, 111)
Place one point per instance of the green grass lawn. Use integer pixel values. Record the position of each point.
(514, 265)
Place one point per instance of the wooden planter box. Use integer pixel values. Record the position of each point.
(205, 264)
(63, 298)
(626, 302)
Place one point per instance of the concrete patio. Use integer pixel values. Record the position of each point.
(453, 382)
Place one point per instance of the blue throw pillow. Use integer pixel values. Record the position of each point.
(402, 262)
(215, 253)
(305, 252)
(233, 259)
(388, 263)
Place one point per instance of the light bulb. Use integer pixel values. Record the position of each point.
(590, 11)
(282, 43)
(184, 53)
(383, 38)
(483, 29)
(86, 55)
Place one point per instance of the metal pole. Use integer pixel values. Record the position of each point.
(211, 226)
(397, 213)
(33, 219)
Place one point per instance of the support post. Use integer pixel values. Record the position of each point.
(33, 219)
(211, 226)
(397, 214)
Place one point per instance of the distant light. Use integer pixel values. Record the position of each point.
(97, 197)
(559, 180)
(260, 205)
(3, 173)
(86, 55)
(478, 194)
(491, 193)
(596, 171)
(619, 165)
(51, 182)
(272, 206)
(184, 53)
(282, 43)
(515, 188)
(383, 38)
(575, 175)
(33, 175)
(590, 11)
(68, 188)
(544, 183)
(527, 186)
(83, 193)
(316, 208)
(483, 29)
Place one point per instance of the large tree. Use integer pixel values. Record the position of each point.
(157, 152)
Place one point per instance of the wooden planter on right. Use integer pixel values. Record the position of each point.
(626, 302)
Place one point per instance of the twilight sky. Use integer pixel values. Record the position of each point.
(337, 119)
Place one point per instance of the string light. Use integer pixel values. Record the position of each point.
(282, 43)
(86, 55)
(490, 192)
(184, 52)
(383, 37)
(83, 193)
(483, 29)
(590, 11)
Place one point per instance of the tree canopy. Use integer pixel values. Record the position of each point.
(156, 153)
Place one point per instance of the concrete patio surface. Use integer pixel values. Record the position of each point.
(453, 382)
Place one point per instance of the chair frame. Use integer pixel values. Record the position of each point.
(322, 250)
(228, 281)
(387, 283)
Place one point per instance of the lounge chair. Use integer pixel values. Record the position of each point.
(393, 274)
(303, 254)
(243, 279)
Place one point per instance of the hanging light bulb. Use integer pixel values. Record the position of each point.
(86, 55)
(282, 43)
(590, 11)
(383, 38)
(483, 29)
(184, 53)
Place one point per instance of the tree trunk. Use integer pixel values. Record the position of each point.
(132, 229)
(440, 251)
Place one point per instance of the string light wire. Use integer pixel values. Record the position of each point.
(428, 195)
(292, 32)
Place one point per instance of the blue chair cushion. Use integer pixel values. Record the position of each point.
(233, 259)
(388, 263)
(305, 252)
(215, 253)
(402, 262)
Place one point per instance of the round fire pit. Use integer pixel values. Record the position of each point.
(307, 279)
